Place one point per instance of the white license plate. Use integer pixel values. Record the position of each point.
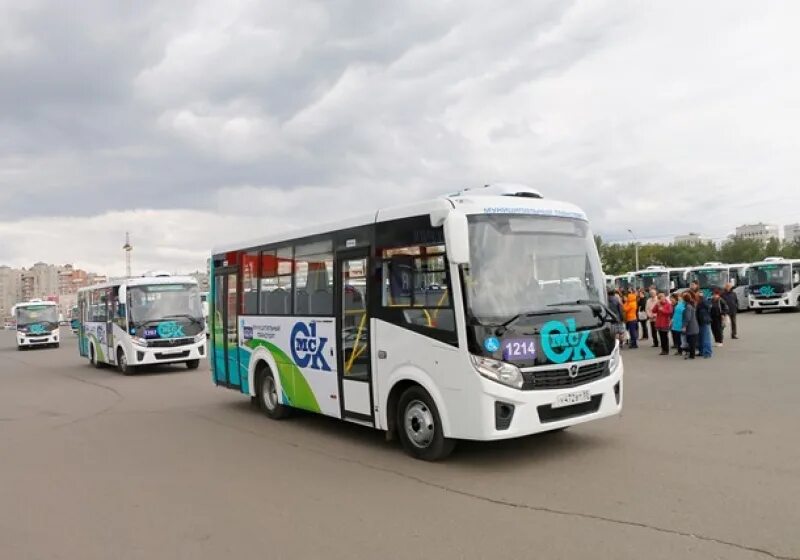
(575, 397)
(171, 352)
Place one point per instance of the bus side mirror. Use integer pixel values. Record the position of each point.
(733, 281)
(672, 285)
(456, 236)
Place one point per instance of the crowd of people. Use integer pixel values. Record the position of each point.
(690, 321)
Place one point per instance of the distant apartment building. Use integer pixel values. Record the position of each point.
(10, 289)
(759, 232)
(688, 239)
(40, 281)
(791, 233)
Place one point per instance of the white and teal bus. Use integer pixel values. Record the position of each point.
(774, 284)
(479, 315)
(146, 321)
(37, 324)
(653, 277)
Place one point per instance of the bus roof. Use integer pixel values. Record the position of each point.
(500, 198)
(142, 281)
(32, 303)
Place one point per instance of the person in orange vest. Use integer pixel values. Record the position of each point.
(630, 309)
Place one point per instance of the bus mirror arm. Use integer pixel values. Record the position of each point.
(456, 236)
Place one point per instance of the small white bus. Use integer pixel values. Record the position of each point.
(37, 324)
(479, 315)
(774, 284)
(146, 321)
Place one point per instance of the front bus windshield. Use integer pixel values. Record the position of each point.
(710, 278)
(520, 264)
(776, 275)
(45, 315)
(165, 310)
(657, 280)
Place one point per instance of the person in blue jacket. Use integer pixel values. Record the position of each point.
(678, 305)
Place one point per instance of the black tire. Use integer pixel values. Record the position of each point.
(193, 364)
(57, 345)
(419, 426)
(267, 395)
(93, 358)
(758, 311)
(122, 363)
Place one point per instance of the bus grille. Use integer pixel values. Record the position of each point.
(170, 343)
(560, 378)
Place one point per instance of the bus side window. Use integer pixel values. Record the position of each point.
(415, 282)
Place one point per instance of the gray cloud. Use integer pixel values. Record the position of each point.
(180, 111)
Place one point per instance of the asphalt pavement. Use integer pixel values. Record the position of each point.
(704, 463)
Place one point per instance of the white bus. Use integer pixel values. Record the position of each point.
(37, 324)
(155, 319)
(478, 315)
(774, 284)
(710, 276)
(739, 276)
(653, 277)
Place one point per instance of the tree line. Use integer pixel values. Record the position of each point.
(621, 258)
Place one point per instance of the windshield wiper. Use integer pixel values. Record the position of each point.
(599, 309)
(183, 315)
(503, 327)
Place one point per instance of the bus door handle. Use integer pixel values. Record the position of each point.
(382, 354)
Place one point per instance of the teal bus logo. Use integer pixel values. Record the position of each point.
(37, 328)
(562, 342)
(767, 291)
(170, 329)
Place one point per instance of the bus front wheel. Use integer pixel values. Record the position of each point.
(122, 363)
(193, 364)
(93, 357)
(267, 395)
(420, 427)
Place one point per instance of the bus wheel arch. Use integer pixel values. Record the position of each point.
(267, 392)
(402, 383)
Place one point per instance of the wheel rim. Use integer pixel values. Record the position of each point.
(123, 362)
(419, 424)
(270, 393)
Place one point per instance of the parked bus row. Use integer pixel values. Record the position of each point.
(773, 283)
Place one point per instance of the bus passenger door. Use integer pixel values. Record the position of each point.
(225, 328)
(354, 355)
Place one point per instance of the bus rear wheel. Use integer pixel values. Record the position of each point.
(420, 427)
(122, 363)
(267, 395)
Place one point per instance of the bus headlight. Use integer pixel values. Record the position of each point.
(138, 341)
(615, 360)
(501, 372)
(200, 337)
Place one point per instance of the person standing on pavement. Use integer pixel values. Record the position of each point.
(732, 301)
(662, 311)
(630, 308)
(690, 326)
(677, 323)
(704, 321)
(641, 313)
(615, 305)
(718, 312)
(649, 309)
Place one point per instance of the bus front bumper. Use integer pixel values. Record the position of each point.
(509, 413)
(782, 302)
(150, 356)
(25, 340)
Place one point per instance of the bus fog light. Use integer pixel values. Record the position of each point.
(501, 372)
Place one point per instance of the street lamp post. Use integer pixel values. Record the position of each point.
(636, 247)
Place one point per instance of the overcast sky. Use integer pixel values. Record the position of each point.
(197, 123)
